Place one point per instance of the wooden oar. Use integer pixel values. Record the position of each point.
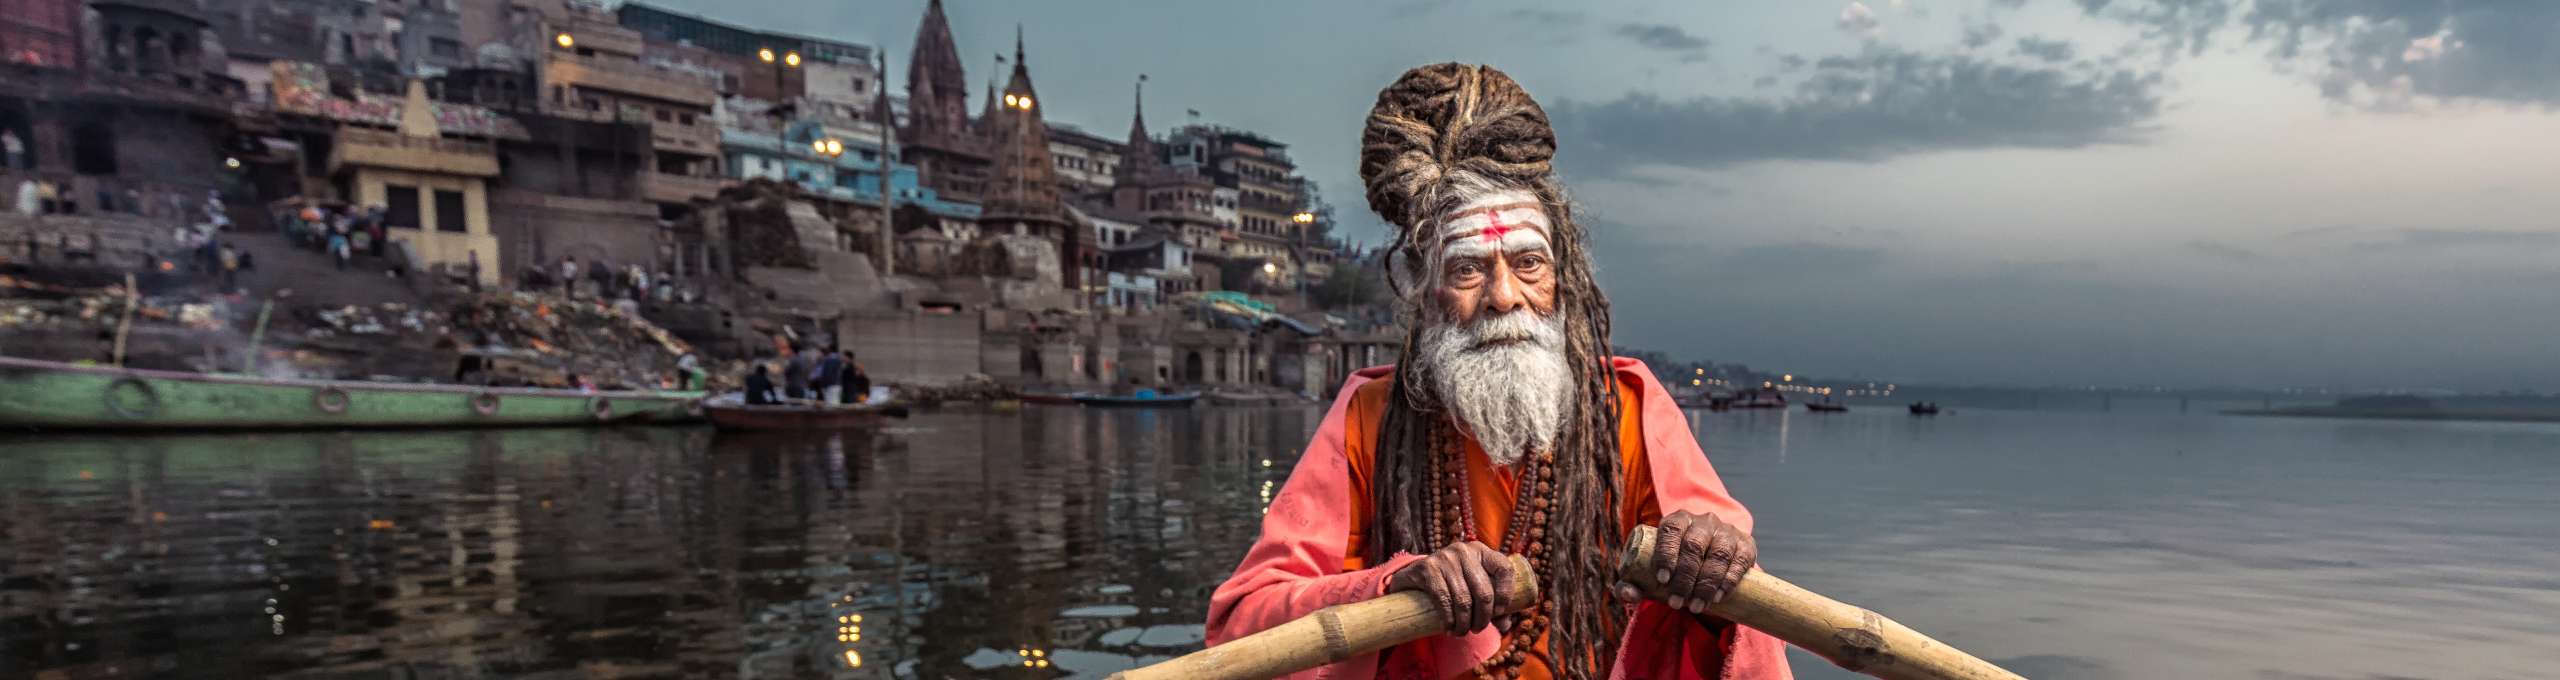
(1330, 635)
(1853, 638)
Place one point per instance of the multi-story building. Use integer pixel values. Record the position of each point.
(396, 39)
(1086, 162)
(135, 98)
(427, 164)
(590, 68)
(830, 69)
(1267, 193)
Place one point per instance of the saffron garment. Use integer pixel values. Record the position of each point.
(1309, 554)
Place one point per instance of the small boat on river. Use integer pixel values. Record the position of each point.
(1140, 399)
(1826, 407)
(730, 412)
(1760, 398)
(53, 395)
(1924, 408)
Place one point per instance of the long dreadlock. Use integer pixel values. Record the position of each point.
(1439, 136)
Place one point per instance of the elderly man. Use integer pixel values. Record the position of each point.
(1506, 429)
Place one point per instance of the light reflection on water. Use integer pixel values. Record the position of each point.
(1081, 541)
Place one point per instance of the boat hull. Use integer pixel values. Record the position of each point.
(51, 395)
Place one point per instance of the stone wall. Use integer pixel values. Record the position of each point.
(537, 229)
(914, 347)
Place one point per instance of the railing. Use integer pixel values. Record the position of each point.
(630, 76)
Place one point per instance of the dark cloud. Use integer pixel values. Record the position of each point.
(1978, 35)
(1764, 82)
(2174, 26)
(2367, 51)
(1873, 105)
(2049, 50)
(1792, 63)
(1664, 37)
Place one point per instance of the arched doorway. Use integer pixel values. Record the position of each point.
(1192, 370)
(1031, 361)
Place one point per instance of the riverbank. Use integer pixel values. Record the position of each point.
(2534, 409)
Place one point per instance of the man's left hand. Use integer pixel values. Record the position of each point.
(1698, 560)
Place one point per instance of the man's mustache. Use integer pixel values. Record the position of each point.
(1515, 328)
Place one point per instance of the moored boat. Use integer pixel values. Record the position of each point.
(1826, 407)
(52, 395)
(1142, 399)
(728, 412)
(1760, 398)
(1924, 408)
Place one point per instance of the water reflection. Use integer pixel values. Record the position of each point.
(1065, 543)
(1054, 542)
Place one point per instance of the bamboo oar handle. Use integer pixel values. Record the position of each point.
(1330, 635)
(1854, 638)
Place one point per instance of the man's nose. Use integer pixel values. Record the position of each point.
(1503, 295)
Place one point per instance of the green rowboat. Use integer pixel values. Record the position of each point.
(53, 395)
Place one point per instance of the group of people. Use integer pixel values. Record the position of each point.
(340, 233)
(827, 377)
(603, 280)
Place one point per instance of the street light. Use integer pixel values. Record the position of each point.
(789, 59)
(1303, 218)
(827, 147)
(564, 40)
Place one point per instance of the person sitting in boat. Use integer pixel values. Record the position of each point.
(857, 380)
(760, 387)
(1504, 429)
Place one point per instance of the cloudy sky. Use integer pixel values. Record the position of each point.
(2024, 192)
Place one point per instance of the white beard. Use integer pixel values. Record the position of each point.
(1511, 396)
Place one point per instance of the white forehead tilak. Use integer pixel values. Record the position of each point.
(1506, 221)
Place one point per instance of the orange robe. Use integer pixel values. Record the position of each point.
(1309, 555)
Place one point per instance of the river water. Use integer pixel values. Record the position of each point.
(967, 545)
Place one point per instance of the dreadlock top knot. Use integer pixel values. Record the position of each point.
(1445, 130)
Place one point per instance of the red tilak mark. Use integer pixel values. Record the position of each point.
(1493, 232)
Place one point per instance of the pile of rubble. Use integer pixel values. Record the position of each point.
(389, 318)
(975, 388)
(602, 343)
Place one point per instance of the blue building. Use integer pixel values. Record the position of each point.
(847, 171)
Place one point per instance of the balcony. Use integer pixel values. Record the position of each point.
(366, 147)
(700, 139)
(666, 188)
(629, 76)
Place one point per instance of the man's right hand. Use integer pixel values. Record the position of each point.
(1471, 582)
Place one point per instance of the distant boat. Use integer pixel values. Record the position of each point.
(1761, 398)
(1826, 407)
(1924, 408)
(730, 412)
(1142, 399)
(46, 394)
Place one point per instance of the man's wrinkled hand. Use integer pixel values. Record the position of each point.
(1471, 582)
(1698, 560)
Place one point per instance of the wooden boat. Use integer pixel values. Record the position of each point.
(47, 395)
(729, 412)
(1142, 399)
(1241, 398)
(1924, 408)
(1826, 407)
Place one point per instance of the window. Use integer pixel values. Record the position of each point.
(402, 200)
(665, 117)
(444, 48)
(685, 118)
(450, 215)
